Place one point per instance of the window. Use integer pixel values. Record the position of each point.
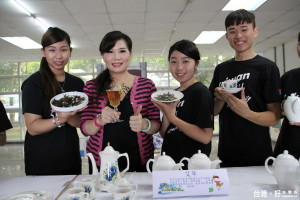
(14, 73)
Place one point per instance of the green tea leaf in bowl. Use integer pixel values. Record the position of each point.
(166, 97)
(68, 101)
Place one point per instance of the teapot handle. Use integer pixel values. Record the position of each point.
(127, 167)
(267, 166)
(184, 158)
(95, 170)
(295, 105)
(147, 166)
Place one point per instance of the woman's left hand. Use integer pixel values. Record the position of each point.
(63, 117)
(136, 120)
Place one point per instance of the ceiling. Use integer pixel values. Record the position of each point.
(153, 25)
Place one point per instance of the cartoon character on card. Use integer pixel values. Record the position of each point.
(219, 184)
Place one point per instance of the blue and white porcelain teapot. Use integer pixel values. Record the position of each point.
(109, 169)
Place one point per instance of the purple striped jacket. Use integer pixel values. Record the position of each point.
(141, 91)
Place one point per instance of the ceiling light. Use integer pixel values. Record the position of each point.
(250, 5)
(21, 6)
(22, 42)
(209, 37)
(25, 9)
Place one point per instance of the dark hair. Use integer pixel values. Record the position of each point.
(239, 17)
(186, 47)
(299, 37)
(103, 80)
(49, 83)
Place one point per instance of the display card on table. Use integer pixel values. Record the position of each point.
(179, 183)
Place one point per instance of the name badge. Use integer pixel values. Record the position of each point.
(180, 183)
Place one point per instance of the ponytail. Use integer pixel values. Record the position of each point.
(49, 83)
(102, 82)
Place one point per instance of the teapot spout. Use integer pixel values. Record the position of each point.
(95, 170)
(177, 166)
(214, 164)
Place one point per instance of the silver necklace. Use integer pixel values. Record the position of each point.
(62, 87)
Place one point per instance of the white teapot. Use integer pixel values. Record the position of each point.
(292, 108)
(200, 161)
(284, 170)
(163, 163)
(109, 168)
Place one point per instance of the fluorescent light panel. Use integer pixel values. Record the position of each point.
(250, 5)
(209, 37)
(22, 42)
(21, 5)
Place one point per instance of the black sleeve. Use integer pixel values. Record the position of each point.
(5, 123)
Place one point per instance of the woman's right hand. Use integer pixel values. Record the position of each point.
(108, 115)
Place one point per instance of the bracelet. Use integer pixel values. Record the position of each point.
(149, 125)
(95, 121)
(54, 116)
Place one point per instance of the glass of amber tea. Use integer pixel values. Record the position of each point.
(114, 97)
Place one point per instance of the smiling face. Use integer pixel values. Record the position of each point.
(118, 58)
(182, 68)
(57, 55)
(240, 37)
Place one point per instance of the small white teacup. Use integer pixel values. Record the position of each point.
(124, 193)
(77, 193)
(230, 83)
(89, 185)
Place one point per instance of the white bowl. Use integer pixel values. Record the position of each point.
(69, 109)
(177, 94)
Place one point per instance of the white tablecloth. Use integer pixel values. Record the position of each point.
(245, 183)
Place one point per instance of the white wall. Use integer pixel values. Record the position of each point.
(291, 57)
(292, 60)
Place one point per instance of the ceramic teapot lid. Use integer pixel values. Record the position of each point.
(294, 95)
(286, 155)
(165, 158)
(122, 181)
(108, 150)
(200, 156)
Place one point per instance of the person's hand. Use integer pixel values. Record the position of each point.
(168, 109)
(108, 115)
(63, 117)
(218, 93)
(295, 123)
(136, 120)
(239, 106)
(282, 109)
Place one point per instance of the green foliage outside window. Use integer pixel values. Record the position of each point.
(14, 73)
(28, 68)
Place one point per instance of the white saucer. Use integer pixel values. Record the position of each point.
(29, 195)
(232, 90)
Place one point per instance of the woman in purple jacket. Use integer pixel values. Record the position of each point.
(140, 118)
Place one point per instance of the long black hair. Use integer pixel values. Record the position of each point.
(49, 83)
(103, 80)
